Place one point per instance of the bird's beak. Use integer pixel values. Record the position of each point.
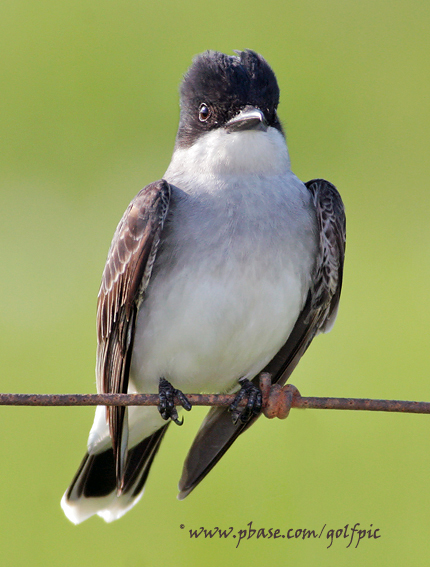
(249, 118)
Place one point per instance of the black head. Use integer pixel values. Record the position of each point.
(218, 86)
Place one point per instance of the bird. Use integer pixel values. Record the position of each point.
(227, 266)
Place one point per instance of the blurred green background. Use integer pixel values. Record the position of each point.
(88, 116)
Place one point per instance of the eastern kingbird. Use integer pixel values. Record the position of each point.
(227, 266)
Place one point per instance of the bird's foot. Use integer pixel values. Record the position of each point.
(254, 403)
(166, 407)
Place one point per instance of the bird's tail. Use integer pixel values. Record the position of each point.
(94, 488)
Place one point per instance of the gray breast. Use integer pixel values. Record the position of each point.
(270, 223)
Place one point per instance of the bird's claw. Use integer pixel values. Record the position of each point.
(253, 406)
(166, 407)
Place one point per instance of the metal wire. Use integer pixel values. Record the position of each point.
(290, 398)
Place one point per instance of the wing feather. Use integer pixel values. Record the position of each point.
(125, 278)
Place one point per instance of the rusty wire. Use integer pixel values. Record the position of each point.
(277, 401)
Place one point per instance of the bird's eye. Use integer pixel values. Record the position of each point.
(204, 112)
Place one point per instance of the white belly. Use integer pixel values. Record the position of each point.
(204, 331)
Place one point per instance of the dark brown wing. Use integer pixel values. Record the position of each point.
(217, 432)
(125, 278)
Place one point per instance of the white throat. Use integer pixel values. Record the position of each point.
(220, 153)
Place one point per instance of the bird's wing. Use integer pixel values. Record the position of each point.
(217, 432)
(124, 281)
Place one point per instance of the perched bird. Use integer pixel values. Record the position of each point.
(227, 266)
